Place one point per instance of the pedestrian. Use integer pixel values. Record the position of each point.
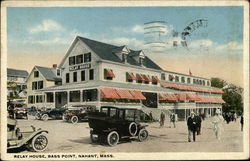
(227, 117)
(172, 119)
(151, 116)
(218, 127)
(199, 120)
(241, 121)
(192, 126)
(235, 117)
(162, 119)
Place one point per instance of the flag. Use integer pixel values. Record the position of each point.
(190, 73)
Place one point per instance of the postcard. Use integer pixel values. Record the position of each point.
(124, 80)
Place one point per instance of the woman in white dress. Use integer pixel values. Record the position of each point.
(218, 121)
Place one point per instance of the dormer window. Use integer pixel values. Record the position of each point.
(141, 61)
(124, 58)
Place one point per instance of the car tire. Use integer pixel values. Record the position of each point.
(45, 117)
(143, 135)
(37, 116)
(74, 119)
(132, 128)
(112, 138)
(39, 143)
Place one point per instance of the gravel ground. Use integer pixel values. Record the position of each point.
(67, 137)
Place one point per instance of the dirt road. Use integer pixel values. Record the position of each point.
(67, 137)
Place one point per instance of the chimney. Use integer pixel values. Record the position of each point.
(54, 65)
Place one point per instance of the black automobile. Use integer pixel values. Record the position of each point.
(53, 113)
(17, 110)
(77, 113)
(114, 123)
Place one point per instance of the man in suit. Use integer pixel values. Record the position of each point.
(192, 126)
(199, 120)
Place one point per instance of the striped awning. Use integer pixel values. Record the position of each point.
(155, 79)
(140, 77)
(137, 94)
(109, 93)
(109, 73)
(121, 94)
(131, 76)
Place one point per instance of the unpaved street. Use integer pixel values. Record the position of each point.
(67, 137)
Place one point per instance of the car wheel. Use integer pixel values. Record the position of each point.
(143, 135)
(74, 119)
(132, 128)
(37, 116)
(113, 138)
(45, 117)
(39, 143)
(93, 138)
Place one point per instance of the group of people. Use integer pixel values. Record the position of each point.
(194, 125)
(230, 117)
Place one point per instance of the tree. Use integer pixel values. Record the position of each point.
(232, 95)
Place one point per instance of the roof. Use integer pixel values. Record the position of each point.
(106, 52)
(48, 73)
(17, 73)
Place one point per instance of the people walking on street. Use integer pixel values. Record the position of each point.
(192, 126)
(172, 119)
(235, 117)
(151, 116)
(218, 121)
(199, 120)
(162, 119)
(241, 121)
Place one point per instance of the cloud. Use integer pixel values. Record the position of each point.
(138, 29)
(47, 26)
(57, 40)
(201, 44)
(232, 45)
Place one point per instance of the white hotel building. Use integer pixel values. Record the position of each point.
(96, 73)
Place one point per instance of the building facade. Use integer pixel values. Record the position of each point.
(96, 73)
(16, 84)
(40, 78)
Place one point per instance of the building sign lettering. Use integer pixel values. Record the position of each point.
(79, 67)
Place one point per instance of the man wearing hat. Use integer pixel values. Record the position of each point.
(192, 126)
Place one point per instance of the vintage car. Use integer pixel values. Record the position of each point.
(54, 113)
(114, 123)
(28, 137)
(17, 110)
(77, 113)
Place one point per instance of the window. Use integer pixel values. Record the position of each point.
(200, 82)
(72, 60)
(79, 59)
(75, 77)
(163, 77)
(74, 96)
(141, 61)
(124, 58)
(91, 74)
(67, 77)
(50, 97)
(31, 99)
(36, 74)
(58, 72)
(39, 99)
(129, 115)
(203, 83)
(208, 83)
(182, 79)
(58, 83)
(83, 75)
(194, 81)
(108, 74)
(176, 78)
(34, 85)
(171, 77)
(87, 57)
(89, 95)
(188, 80)
(40, 84)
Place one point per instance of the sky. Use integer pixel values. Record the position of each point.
(42, 36)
